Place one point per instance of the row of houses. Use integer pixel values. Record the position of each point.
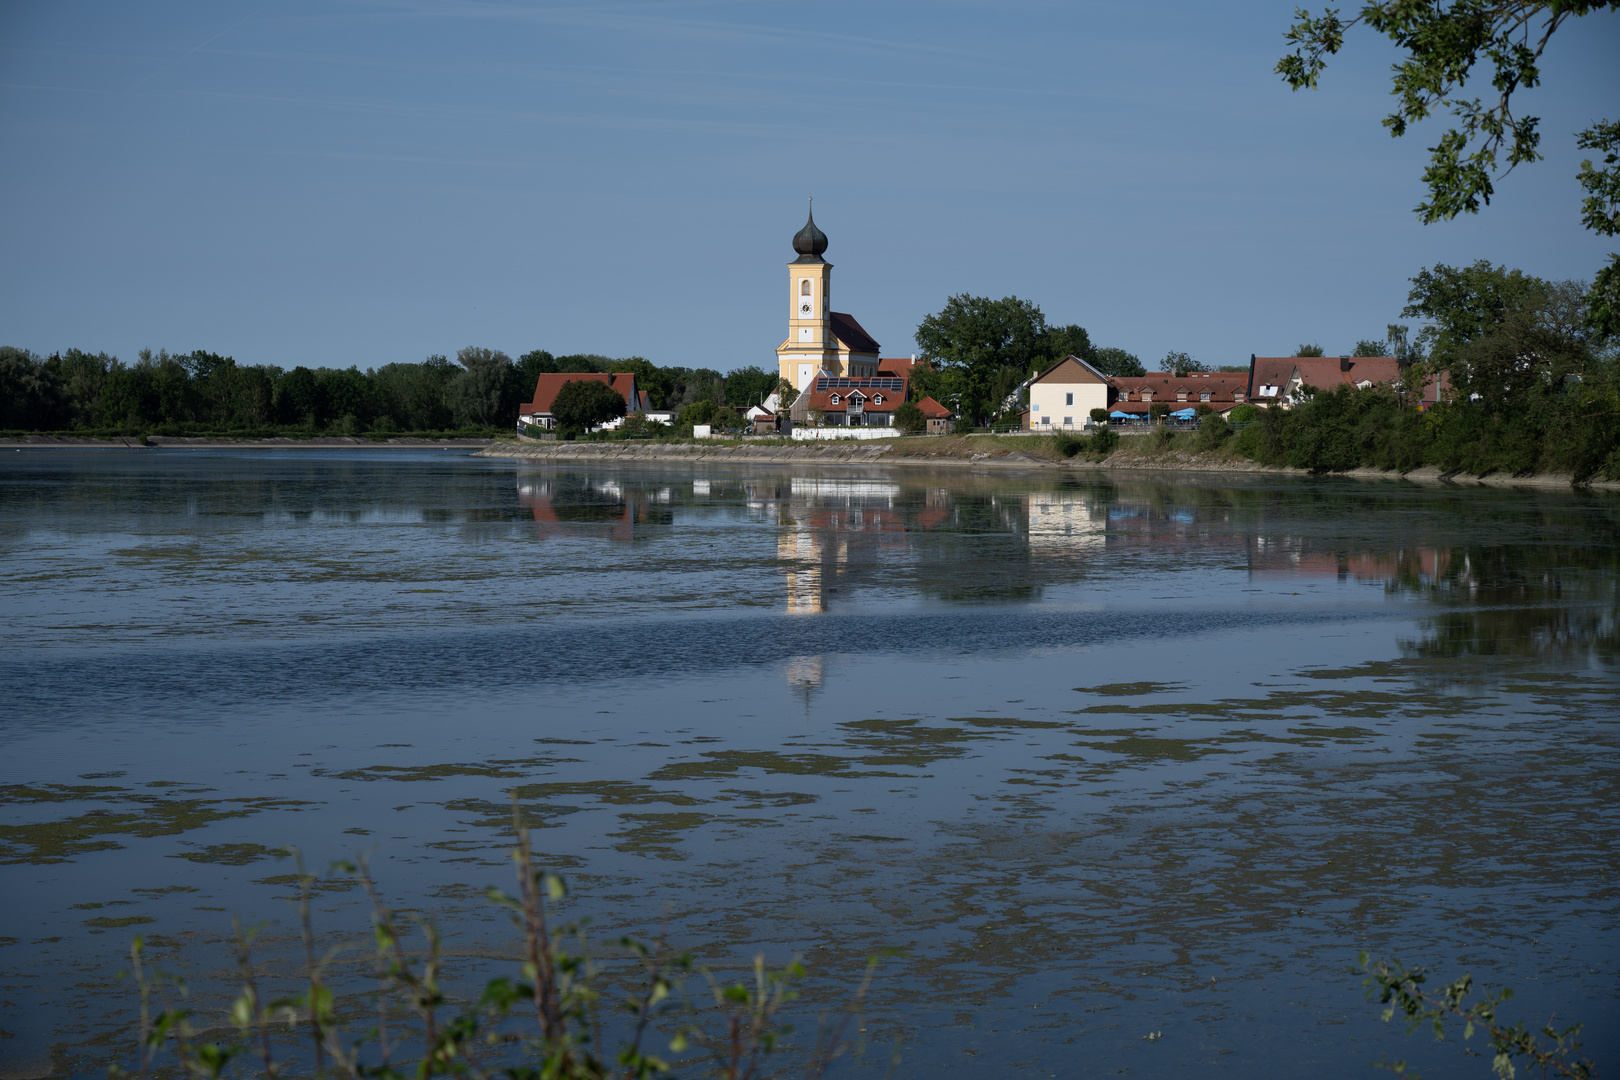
(1064, 395)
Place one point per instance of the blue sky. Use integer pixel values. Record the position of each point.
(369, 181)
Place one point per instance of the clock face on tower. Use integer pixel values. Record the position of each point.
(804, 309)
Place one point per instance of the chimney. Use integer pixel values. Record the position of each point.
(1344, 363)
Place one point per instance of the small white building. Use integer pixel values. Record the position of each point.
(1064, 394)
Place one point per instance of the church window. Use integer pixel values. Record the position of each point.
(804, 287)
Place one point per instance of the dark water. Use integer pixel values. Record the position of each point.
(1108, 756)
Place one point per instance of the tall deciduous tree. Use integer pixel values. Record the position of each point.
(1443, 44)
(1112, 361)
(988, 346)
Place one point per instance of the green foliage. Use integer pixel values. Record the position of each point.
(582, 404)
(546, 1021)
(1111, 361)
(910, 419)
(1369, 347)
(1099, 416)
(1443, 43)
(1242, 414)
(1213, 430)
(1159, 409)
(1104, 441)
(748, 386)
(980, 350)
(1180, 364)
(1309, 350)
(786, 393)
(1402, 992)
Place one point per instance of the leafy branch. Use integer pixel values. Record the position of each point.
(1402, 992)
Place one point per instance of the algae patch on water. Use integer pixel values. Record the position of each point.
(150, 815)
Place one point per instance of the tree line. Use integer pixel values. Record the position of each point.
(205, 392)
(1530, 385)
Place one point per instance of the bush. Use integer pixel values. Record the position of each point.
(910, 419)
(1159, 410)
(1212, 431)
(1099, 416)
(1067, 444)
(1104, 441)
(1243, 414)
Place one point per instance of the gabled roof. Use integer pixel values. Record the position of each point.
(546, 387)
(850, 334)
(1070, 369)
(933, 410)
(820, 393)
(1323, 372)
(1222, 385)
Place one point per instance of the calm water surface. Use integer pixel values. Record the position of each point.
(1108, 756)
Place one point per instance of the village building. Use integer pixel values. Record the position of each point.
(1219, 391)
(820, 340)
(1278, 380)
(1064, 394)
(853, 402)
(537, 413)
(938, 416)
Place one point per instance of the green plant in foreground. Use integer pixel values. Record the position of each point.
(1402, 992)
(547, 1023)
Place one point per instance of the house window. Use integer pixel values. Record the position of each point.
(833, 399)
(1068, 399)
(1203, 395)
(1046, 419)
(877, 399)
(1181, 395)
(1147, 395)
(1068, 421)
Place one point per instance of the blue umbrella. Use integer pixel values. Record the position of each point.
(1117, 415)
(1184, 414)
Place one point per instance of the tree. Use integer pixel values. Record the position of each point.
(1111, 361)
(1442, 45)
(749, 385)
(990, 345)
(1099, 416)
(1312, 349)
(581, 404)
(1071, 340)
(1180, 364)
(1464, 303)
(1368, 347)
(786, 394)
(910, 419)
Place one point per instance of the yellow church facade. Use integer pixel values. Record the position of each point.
(819, 338)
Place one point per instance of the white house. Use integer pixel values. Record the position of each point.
(1064, 394)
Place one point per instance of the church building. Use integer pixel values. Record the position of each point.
(819, 338)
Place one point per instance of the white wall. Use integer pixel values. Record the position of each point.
(1049, 401)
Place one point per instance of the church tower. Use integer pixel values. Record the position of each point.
(810, 346)
(819, 338)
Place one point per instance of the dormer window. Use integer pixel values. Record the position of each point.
(1203, 395)
(834, 399)
(877, 399)
(1181, 395)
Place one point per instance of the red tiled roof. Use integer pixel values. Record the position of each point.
(849, 332)
(933, 410)
(546, 387)
(1223, 386)
(902, 365)
(1322, 372)
(822, 390)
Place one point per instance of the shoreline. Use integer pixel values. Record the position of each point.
(954, 453)
(999, 460)
(199, 442)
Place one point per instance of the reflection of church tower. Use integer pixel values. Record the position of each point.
(819, 338)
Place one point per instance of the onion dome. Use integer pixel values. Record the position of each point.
(810, 241)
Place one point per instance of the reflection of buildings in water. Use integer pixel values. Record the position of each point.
(825, 523)
(582, 507)
(1064, 520)
(1278, 557)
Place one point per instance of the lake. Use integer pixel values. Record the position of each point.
(1110, 756)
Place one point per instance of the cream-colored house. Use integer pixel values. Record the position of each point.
(819, 338)
(1064, 394)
